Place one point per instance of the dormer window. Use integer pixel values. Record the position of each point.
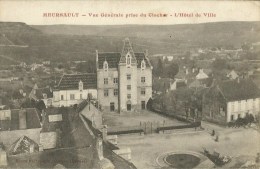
(80, 85)
(105, 66)
(143, 65)
(128, 60)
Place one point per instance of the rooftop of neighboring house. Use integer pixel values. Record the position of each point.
(79, 128)
(11, 119)
(113, 58)
(186, 73)
(239, 89)
(196, 83)
(71, 81)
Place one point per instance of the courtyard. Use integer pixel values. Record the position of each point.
(134, 119)
(240, 144)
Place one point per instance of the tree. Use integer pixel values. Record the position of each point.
(159, 69)
(172, 70)
(40, 105)
(89, 67)
(219, 64)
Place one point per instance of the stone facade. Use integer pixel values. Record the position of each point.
(124, 80)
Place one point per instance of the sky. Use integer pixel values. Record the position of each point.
(32, 12)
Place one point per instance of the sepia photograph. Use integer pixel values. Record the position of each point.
(129, 84)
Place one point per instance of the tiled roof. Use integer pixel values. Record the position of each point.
(111, 58)
(201, 83)
(71, 81)
(139, 57)
(114, 58)
(239, 90)
(32, 120)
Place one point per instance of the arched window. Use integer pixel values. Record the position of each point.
(128, 60)
(80, 85)
(105, 66)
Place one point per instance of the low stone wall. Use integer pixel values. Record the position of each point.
(112, 139)
(124, 153)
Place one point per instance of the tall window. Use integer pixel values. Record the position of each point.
(143, 79)
(232, 107)
(80, 96)
(105, 80)
(239, 105)
(72, 97)
(128, 87)
(115, 92)
(142, 91)
(62, 97)
(115, 80)
(143, 65)
(106, 92)
(128, 60)
(128, 77)
(128, 96)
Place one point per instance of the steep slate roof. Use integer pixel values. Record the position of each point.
(111, 58)
(114, 58)
(242, 90)
(32, 120)
(71, 81)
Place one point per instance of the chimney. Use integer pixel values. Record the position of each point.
(22, 119)
(201, 70)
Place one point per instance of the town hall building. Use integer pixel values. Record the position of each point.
(124, 80)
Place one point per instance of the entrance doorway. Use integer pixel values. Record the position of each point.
(143, 105)
(112, 106)
(128, 107)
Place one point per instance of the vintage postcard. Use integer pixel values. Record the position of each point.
(129, 84)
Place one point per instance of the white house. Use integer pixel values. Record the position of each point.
(73, 88)
(232, 75)
(228, 100)
(201, 75)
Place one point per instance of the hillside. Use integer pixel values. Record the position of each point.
(212, 34)
(68, 42)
